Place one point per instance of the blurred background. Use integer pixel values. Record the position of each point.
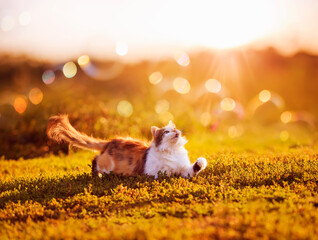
(242, 73)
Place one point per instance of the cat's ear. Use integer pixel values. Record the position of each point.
(171, 124)
(154, 130)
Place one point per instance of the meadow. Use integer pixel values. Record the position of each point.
(262, 176)
(263, 193)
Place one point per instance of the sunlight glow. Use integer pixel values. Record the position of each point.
(264, 96)
(213, 85)
(125, 108)
(162, 106)
(24, 18)
(205, 118)
(69, 69)
(227, 104)
(235, 131)
(181, 85)
(7, 23)
(165, 117)
(182, 58)
(284, 135)
(154, 29)
(155, 78)
(20, 104)
(233, 23)
(35, 96)
(286, 117)
(232, 132)
(83, 60)
(121, 48)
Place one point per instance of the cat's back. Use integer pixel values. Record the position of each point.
(126, 155)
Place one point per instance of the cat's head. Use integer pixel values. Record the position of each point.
(168, 137)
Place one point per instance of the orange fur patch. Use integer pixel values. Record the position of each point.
(124, 156)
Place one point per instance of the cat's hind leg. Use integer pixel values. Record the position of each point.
(94, 166)
(104, 163)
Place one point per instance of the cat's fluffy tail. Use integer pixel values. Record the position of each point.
(60, 129)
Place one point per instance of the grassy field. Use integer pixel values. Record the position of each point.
(265, 193)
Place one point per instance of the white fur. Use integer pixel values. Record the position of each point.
(171, 156)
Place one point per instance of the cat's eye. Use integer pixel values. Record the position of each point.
(165, 132)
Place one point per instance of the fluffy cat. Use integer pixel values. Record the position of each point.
(131, 157)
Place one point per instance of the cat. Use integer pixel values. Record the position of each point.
(131, 157)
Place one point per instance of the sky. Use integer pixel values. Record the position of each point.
(140, 29)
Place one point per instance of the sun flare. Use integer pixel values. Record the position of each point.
(228, 24)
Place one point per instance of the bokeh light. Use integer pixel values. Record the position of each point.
(35, 96)
(7, 23)
(69, 69)
(286, 117)
(121, 48)
(48, 77)
(24, 18)
(165, 117)
(83, 60)
(162, 106)
(181, 85)
(227, 104)
(232, 132)
(235, 131)
(182, 58)
(155, 78)
(20, 104)
(264, 96)
(284, 136)
(125, 108)
(205, 118)
(213, 85)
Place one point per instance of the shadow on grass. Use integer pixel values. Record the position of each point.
(44, 189)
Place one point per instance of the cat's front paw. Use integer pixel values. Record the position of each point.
(200, 164)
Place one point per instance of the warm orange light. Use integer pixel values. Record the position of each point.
(125, 108)
(181, 85)
(83, 60)
(286, 117)
(20, 104)
(205, 118)
(284, 135)
(182, 58)
(235, 131)
(264, 96)
(35, 96)
(155, 78)
(69, 69)
(165, 117)
(232, 132)
(162, 106)
(213, 85)
(227, 104)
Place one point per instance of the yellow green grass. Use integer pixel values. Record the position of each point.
(241, 194)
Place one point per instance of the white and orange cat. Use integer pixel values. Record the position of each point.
(131, 157)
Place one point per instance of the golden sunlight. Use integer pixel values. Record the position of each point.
(264, 96)
(181, 85)
(231, 23)
(227, 104)
(69, 69)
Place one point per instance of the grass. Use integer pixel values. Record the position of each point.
(268, 194)
(256, 186)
